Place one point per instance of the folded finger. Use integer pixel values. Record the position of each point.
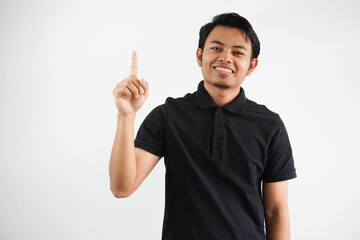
(133, 88)
(145, 85)
(137, 83)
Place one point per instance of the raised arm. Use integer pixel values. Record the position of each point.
(129, 166)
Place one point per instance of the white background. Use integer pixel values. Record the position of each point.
(59, 63)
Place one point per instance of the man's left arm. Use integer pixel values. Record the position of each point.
(276, 210)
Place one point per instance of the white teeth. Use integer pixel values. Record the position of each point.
(223, 69)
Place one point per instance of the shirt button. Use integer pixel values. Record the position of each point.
(219, 125)
(217, 141)
(220, 110)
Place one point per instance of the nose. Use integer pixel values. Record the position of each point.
(225, 56)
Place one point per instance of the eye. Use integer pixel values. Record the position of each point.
(216, 48)
(238, 53)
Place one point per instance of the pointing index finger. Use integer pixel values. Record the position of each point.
(134, 64)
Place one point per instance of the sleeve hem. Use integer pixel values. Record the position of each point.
(149, 148)
(280, 178)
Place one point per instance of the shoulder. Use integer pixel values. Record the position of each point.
(172, 104)
(187, 99)
(259, 110)
(260, 113)
(186, 102)
(261, 116)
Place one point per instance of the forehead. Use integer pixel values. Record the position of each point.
(228, 36)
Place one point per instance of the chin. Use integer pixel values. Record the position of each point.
(221, 85)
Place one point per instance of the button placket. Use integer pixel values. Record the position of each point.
(218, 138)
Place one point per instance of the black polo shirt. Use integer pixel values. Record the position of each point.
(216, 159)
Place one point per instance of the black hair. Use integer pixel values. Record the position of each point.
(232, 20)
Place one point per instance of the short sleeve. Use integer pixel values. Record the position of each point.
(280, 162)
(151, 134)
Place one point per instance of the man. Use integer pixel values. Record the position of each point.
(227, 158)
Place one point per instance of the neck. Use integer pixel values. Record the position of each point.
(221, 96)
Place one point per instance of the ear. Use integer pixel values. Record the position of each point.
(199, 56)
(252, 66)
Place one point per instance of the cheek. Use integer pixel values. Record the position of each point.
(204, 63)
(208, 56)
(243, 66)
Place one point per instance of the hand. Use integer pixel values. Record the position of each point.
(131, 93)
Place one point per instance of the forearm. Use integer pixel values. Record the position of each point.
(278, 225)
(122, 167)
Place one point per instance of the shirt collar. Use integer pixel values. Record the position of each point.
(205, 101)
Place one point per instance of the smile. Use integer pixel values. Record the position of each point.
(224, 69)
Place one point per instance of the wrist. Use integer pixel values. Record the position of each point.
(127, 115)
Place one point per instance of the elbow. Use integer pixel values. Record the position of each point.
(271, 213)
(276, 212)
(120, 192)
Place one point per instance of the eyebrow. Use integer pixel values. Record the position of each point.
(236, 46)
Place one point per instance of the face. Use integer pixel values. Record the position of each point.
(226, 58)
